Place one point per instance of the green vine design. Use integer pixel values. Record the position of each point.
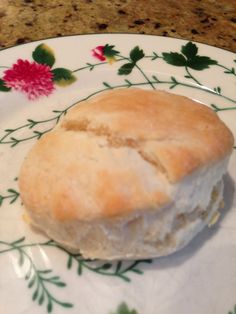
(119, 269)
(217, 108)
(13, 141)
(7, 138)
(12, 196)
(40, 280)
(187, 58)
(232, 70)
(189, 52)
(115, 269)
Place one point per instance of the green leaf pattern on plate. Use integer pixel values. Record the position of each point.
(63, 77)
(44, 55)
(3, 87)
(123, 309)
(188, 58)
(40, 280)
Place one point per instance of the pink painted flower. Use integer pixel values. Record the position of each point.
(31, 78)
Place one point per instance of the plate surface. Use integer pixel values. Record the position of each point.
(36, 275)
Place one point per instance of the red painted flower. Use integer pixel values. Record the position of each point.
(98, 53)
(105, 53)
(31, 78)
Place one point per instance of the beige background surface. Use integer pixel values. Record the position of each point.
(208, 21)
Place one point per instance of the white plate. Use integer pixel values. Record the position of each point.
(36, 276)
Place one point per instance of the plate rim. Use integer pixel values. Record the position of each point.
(118, 33)
(216, 49)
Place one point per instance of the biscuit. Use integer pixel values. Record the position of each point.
(128, 174)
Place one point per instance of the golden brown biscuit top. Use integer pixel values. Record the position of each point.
(177, 133)
(119, 152)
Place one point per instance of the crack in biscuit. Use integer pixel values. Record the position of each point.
(113, 140)
(154, 161)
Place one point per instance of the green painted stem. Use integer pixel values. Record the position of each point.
(8, 196)
(217, 109)
(111, 274)
(145, 76)
(14, 247)
(8, 133)
(95, 65)
(154, 56)
(13, 195)
(17, 141)
(192, 77)
(224, 67)
(140, 70)
(89, 66)
(29, 125)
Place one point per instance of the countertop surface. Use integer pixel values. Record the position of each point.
(207, 21)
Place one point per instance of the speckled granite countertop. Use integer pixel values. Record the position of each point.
(208, 21)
